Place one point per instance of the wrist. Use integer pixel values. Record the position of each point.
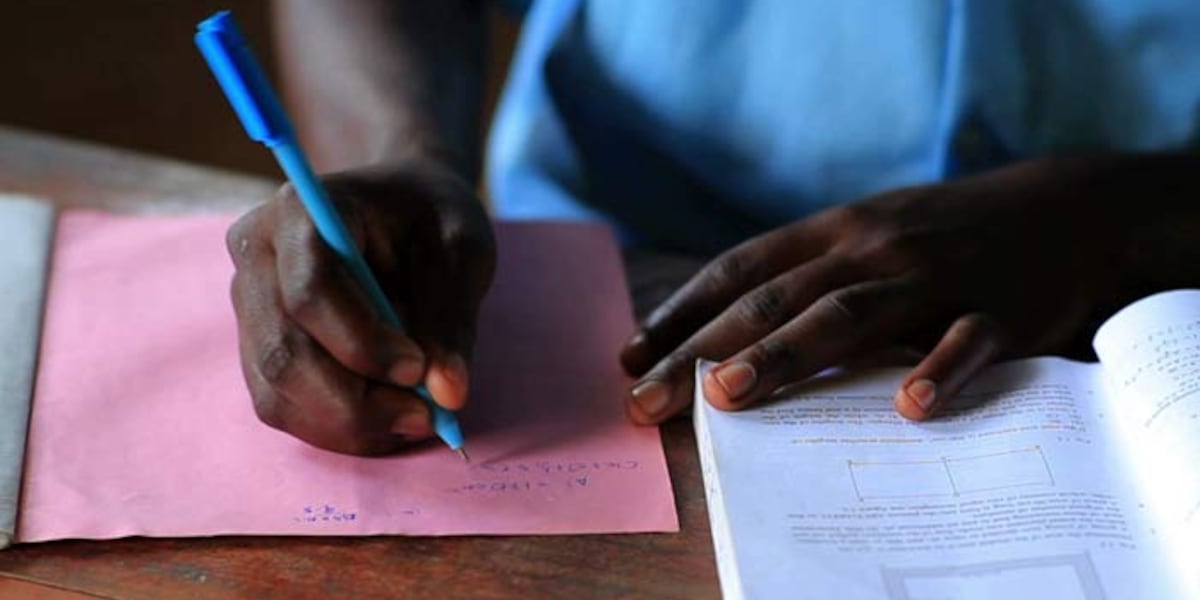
(415, 154)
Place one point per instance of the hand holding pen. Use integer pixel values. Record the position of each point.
(325, 356)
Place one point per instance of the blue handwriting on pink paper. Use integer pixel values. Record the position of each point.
(324, 513)
(546, 476)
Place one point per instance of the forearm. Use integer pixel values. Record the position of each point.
(372, 81)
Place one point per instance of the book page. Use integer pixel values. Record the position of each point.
(142, 424)
(1150, 352)
(1018, 492)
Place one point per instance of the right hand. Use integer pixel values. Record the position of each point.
(320, 362)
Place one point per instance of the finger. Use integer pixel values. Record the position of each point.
(299, 388)
(971, 343)
(448, 380)
(752, 317)
(319, 294)
(410, 422)
(447, 376)
(244, 239)
(452, 279)
(850, 321)
(317, 400)
(715, 287)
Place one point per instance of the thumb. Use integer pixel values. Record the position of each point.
(448, 379)
(453, 280)
(444, 320)
(449, 340)
(970, 344)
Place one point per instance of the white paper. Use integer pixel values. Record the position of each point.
(1151, 356)
(1023, 492)
(26, 227)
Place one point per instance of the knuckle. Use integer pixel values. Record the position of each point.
(470, 252)
(889, 250)
(287, 210)
(307, 238)
(303, 288)
(300, 297)
(298, 235)
(900, 249)
(285, 193)
(454, 230)
(765, 307)
(237, 237)
(773, 353)
(276, 361)
(364, 355)
(855, 218)
(875, 238)
(848, 305)
(727, 270)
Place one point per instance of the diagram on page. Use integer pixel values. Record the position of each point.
(954, 475)
(1065, 577)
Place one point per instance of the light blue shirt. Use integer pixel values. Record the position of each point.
(692, 124)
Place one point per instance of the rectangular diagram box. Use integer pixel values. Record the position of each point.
(950, 475)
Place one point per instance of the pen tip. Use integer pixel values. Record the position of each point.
(463, 453)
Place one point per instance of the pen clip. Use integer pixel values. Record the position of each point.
(242, 79)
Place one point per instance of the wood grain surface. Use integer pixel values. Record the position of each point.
(28, 590)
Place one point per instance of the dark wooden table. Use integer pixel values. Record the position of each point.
(595, 566)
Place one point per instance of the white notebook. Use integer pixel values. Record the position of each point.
(1048, 479)
(26, 231)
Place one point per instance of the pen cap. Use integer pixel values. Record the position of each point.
(242, 79)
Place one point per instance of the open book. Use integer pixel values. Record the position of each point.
(1047, 478)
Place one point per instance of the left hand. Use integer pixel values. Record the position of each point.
(1014, 262)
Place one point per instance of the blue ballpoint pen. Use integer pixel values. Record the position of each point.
(244, 83)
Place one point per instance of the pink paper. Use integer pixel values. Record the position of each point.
(142, 425)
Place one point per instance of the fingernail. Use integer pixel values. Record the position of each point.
(736, 379)
(922, 391)
(651, 397)
(413, 424)
(456, 371)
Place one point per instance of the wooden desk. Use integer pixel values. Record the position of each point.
(598, 566)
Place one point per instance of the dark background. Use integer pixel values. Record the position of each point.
(125, 73)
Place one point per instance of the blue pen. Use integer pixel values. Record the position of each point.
(224, 47)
